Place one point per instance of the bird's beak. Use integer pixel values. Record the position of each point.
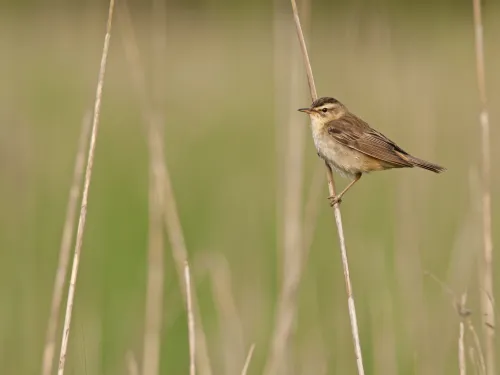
(305, 110)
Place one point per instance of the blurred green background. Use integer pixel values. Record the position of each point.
(227, 80)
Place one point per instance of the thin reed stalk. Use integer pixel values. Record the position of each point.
(131, 362)
(83, 207)
(486, 263)
(475, 362)
(154, 289)
(336, 209)
(65, 248)
(292, 227)
(280, 75)
(155, 279)
(227, 312)
(170, 216)
(296, 233)
(477, 344)
(179, 251)
(462, 366)
(191, 331)
(465, 316)
(247, 360)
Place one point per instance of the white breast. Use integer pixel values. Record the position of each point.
(343, 159)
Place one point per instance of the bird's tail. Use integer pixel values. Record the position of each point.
(424, 164)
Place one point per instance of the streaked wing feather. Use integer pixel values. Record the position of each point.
(353, 132)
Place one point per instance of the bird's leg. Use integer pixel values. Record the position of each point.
(338, 198)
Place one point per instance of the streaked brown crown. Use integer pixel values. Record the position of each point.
(324, 100)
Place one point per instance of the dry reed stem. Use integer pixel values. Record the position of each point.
(477, 343)
(473, 360)
(461, 341)
(465, 315)
(154, 289)
(280, 76)
(486, 263)
(65, 248)
(296, 234)
(169, 207)
(132, 366)
(158, 44)
(338, 217)
(179, 252)
(189, 305)
(232, 329)
(88, 176)
(292, 229)
(247, 360)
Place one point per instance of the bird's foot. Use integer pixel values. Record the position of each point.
(334, 200)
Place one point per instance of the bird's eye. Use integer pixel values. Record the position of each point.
(324, 110)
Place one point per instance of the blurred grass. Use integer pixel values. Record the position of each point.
(411, 76)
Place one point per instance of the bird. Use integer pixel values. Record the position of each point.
(351, 147)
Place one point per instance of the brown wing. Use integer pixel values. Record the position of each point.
(353, 132)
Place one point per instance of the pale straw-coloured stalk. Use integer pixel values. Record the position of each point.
(190, 315)
(293, 227)
(462, 365)
(465, 316)
(155, 275)
(227, 311)
(131, 362)
(83, 207)
(485, 263)
(169, 211)
(247, 360)
(65, 248)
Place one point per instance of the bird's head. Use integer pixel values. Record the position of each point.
(325, 109)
